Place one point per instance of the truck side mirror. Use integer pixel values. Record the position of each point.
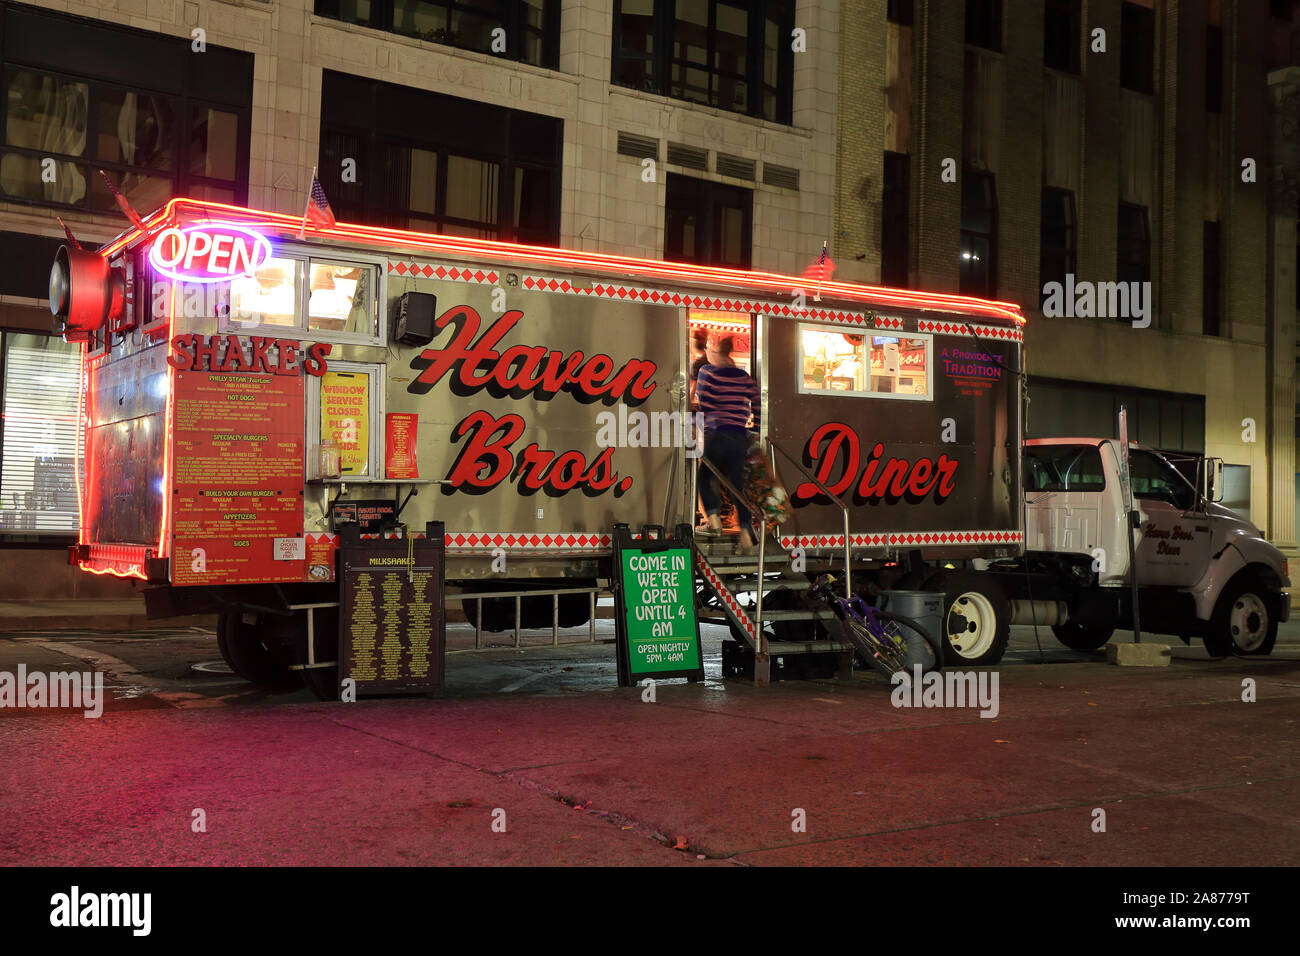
(1214, 479)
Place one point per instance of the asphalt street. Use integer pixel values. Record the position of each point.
(534, 756)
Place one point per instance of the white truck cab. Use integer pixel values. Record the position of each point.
(1201, 569)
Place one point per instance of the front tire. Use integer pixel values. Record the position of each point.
(976, 620)
(1243, 621)
(1082, 637)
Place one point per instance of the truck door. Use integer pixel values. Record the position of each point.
(1068, 506)
(1174, 544)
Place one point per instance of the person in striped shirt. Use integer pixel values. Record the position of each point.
(729, 401)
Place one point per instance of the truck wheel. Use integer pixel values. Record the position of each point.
(977, 621)
(1242, 622)
(1082, 637)
(249, 653)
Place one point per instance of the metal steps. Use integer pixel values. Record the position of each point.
(729, 577)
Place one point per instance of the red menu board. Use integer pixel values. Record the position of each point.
(238, 478)
(399, 442)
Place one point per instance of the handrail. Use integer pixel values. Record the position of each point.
(762, 540)
(848, 580)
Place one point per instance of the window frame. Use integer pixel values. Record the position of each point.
(376, 419)
(1121, 242)
(990, 289)
(510, 14)
(664, 57)
(703, 195)
(867, 334)
(184, 109)
(895, 220)
(984, 19)
(304, 256)
(1070, 250)
(1137, 63)
(1069, 15)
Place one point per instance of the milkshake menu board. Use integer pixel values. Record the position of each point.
(658, 633)
(238, 464)
(392, 625)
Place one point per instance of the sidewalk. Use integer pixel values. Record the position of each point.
(103, 614)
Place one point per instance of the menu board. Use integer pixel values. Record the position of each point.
(392, 625)
(399, 445)
(237, 453)
(658, 635)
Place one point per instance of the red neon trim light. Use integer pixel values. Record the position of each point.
(201, 210)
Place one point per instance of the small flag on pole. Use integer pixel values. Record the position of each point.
(122, 204)
(318, 211)
(72, 240)
(819, 270)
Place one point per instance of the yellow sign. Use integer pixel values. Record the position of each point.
(345, 418)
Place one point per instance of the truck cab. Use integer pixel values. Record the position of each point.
(1201, 570)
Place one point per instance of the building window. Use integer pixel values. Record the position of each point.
(153, 146)
(707, 223)
(1056, 248)
(529, 29)
(979, 227)
(984, 23)
(1134, 246)
(1061, 25)
(894, 221)
(1137, 48)
(38, 492)
(1213, 69)
(482, 171)
(1211, 288)
(731, 54)
(900, 12)
(1281, 9)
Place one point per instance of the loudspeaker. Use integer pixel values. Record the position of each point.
(414, 324)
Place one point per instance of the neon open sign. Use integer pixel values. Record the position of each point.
(209, 253)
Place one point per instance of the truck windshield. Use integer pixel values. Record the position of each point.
(1063, 468)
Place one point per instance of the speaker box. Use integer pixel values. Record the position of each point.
(414, 324)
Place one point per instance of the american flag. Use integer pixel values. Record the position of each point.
(820, 270)
(318, 212)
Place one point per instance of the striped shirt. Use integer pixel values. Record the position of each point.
(727, 395)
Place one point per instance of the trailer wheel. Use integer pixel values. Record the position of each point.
(1082, 637)
(977, 620)
(249, 652)
(1243, 622)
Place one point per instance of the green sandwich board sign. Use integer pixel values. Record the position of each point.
(654, 597)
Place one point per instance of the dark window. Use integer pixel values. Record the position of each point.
(894, 221)
(1134, 245)
(1154, 479)
(1056, 249)
(531, 27)
(1213, 68)
(68, 109)
(900, 11)
(1061, 22)
(1211, 289)
(482, 171)
(1063, 468)
(984, 23)
(979, 230)
(1281, 8)
(707, 223)
(1137, 48)
(731, 54)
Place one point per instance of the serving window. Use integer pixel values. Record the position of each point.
(332, 299)
(865, 364)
